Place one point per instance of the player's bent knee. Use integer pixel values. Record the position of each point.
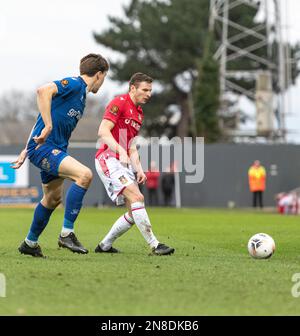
(51, 202)
(133, 195)
(85, 178)
(56, 202)
(138, 198)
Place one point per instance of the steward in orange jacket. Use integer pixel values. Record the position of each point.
(257, 182)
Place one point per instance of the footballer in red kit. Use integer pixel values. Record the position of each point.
(117, 161)
(127, 119)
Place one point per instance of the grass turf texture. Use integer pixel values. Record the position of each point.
(210, 273)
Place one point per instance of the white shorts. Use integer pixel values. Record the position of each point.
(114, 176)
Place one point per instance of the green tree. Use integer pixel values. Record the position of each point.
(163, 39)
(207, 95)
(166, 39)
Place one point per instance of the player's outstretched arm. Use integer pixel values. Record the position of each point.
(44, 99)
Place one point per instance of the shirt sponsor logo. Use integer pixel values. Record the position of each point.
(133, 123)
(74, 114)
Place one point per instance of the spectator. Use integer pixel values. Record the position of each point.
(257, 182)
(167, 184)
(152, 184)
(287, 203)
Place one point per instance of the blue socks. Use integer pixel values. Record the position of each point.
(73, 205)
(40, 220)
(42, 214)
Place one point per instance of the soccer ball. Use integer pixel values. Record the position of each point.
(261, 246)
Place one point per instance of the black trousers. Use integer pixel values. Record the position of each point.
(258, 199)
(153, 197)
(167, 197)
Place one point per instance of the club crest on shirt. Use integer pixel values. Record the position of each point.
(55, 152)
(123, 179)
(64, 82)
(114, 109)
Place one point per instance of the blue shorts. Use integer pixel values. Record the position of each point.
(47, 158)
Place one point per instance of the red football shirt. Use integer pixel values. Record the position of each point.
(127, 118)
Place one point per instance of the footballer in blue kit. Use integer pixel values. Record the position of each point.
(66, 109)
(61, 105)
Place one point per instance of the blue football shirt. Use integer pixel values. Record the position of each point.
(66, 109)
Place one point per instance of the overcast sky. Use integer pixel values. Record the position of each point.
(43, 40)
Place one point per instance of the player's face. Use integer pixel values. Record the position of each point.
(100, 76)
(142, 93)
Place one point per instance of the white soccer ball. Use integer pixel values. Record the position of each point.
(261, 246)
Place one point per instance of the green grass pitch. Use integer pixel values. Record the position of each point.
(210, 273)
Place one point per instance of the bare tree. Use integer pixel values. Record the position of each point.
(17, 105)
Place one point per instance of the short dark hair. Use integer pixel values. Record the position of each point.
(92, 63)
(138, 78)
